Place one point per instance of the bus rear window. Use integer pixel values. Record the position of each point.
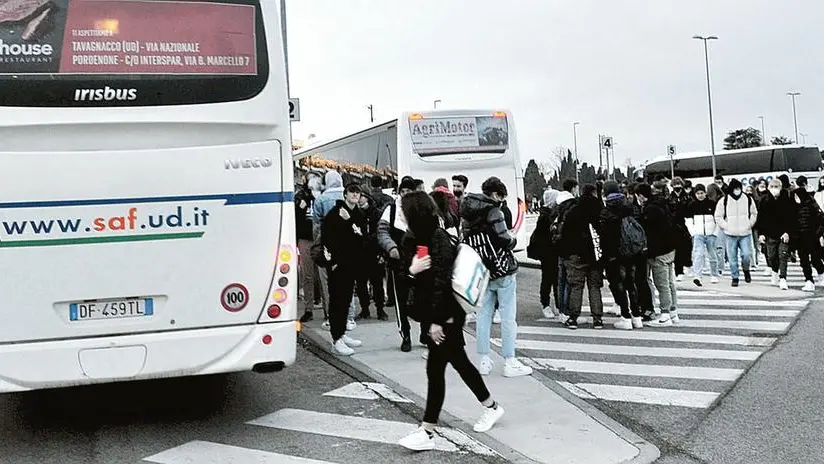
(58, 53)
(453, 135)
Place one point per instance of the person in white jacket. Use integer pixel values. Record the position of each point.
(700, 219)
(735, 215)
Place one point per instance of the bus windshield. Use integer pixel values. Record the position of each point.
(131, 53)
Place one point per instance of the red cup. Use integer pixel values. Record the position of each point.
(423, 251)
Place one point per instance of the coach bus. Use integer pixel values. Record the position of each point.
(429, 145)
(146, 219)
(749, 165)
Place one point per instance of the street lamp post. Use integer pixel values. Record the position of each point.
(795, 116)
(371, 114)
(763, 132)
(435, 104)
(709, 95)
(575, 145)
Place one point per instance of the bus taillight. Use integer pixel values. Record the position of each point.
(519, 221)
(499, 114)
(273, 312)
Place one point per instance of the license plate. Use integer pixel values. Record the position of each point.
(111, 309)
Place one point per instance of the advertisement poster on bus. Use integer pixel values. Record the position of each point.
(459, 135)
(118, 37)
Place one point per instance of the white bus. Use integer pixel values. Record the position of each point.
(146, 218)
(749, 165)
(429, 145)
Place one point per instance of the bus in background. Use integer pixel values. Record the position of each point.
(430, 145)
(749, 165)
(146, 219)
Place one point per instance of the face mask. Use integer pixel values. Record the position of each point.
(678, 188)
(736, 192)
(775, 192)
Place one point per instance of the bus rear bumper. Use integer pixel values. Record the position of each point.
(65, 363)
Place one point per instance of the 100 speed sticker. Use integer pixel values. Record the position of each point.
(234, 297)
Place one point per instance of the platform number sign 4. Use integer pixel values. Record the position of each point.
(294, 109)
(607, 143)
(234, 297)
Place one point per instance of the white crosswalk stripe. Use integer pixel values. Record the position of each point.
(374, 431)
(689, 365)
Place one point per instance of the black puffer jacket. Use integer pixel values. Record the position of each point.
(776, 216)
(658, 227)
(480, 213)
(609, 226)
(810, 219)
(431, 291)
(576, 237)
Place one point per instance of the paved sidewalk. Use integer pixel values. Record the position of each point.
(539, 425)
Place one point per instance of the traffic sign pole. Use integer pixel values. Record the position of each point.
(671, 153)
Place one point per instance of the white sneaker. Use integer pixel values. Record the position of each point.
(425, 354)
(485, 365)
(782, 284)
(515, 368)
(773, 278)
(614, 310)
(342, 349)
(809, 287)
(548, 313)
(637, 323)
(674, 317)
(351, 325)
(351, 342)
(680, 278)
(496, 318)
(624, 324)
(768, 272)
(488, 419)
(326, 325)
(663, 321)
(418, 440)
(714, 280)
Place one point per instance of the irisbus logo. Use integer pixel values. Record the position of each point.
(105, 94)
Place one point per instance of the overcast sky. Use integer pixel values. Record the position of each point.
(627, 68)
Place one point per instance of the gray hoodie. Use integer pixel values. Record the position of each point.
(327, 200)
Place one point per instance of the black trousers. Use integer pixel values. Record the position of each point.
(549, 280)
(451, 351)
(810, 254)
(621, 277)
(642, 284)
(341, 290)
(372, 276)
(402, 294)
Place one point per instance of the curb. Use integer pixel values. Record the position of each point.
(363, 373)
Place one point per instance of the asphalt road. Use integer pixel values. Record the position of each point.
(193, 420)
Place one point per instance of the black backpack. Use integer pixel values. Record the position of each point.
(633, 241)
(749, 206)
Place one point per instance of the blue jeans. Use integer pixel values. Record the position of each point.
(734, 244)
(503, 291)
(703, 246)
(563, 289)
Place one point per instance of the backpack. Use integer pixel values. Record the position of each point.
(539, 240)
(749, 206)
(633, 241)
(470, 277)
(557, 226)
(498, 262)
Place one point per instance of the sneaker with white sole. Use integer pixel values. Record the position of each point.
(782, 284)
(326, 325)
(488, 419)
(663, 321)
(548, 312)
(351, 325)
(615, 310)
(674, 317)
(515, 368)
(809, 286)
(679, 278)
(624, 324)
(637, 323)
(496, 318)
(419, 440)
(485, 365)
(351, 342)
(773, 278)
(342, 349)
(425, 354)
(714, 280)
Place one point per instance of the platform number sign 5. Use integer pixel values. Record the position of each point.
(671, 150)
(234, 298)
(294, 109)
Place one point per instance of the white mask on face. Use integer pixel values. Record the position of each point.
(775, 191)
(736, 192)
